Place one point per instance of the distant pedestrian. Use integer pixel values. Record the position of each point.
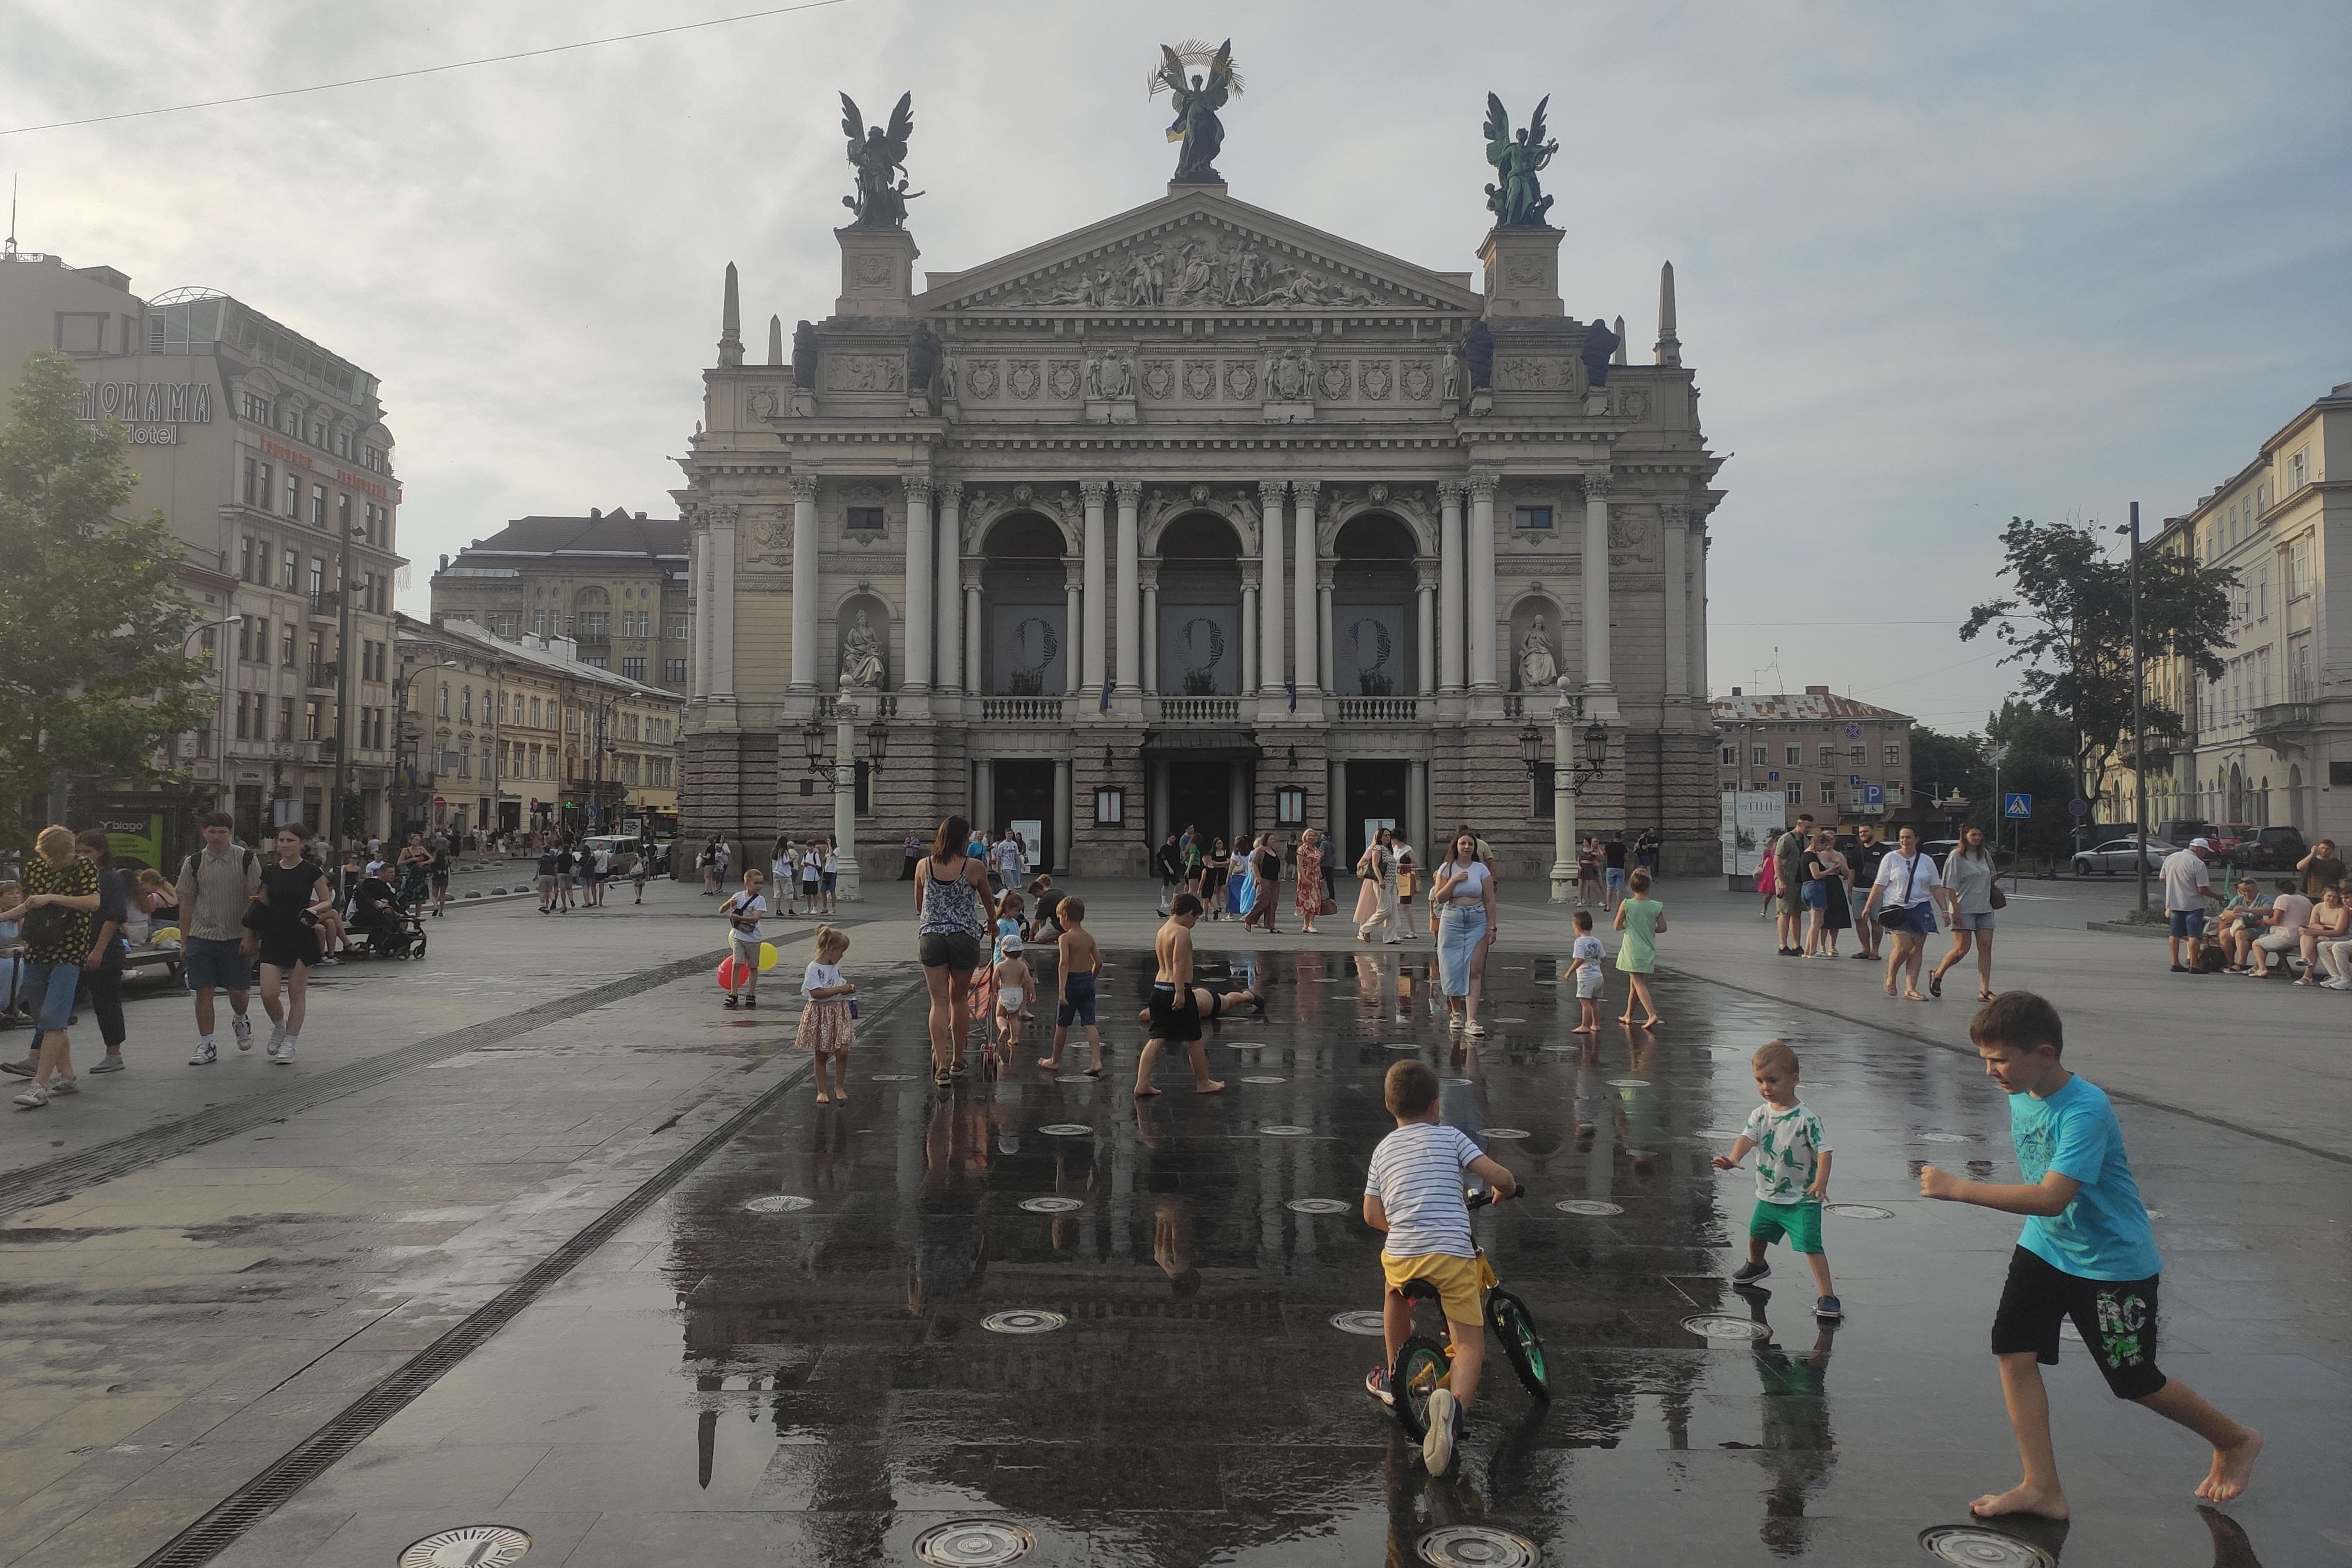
(1863, 864)
(1613, 862)
(831, 871)
(1585, 958)
(542, 881)
(61, 899)
(1588, 872)
(2187, 892)
(216, 885)
(1077, 966)
(1465, 893)
(744, 938)
(1970, 894)
(829, 1020)
(783, 875)
(1903, 902)
(1170, 863)
(101, 967)
(954, 907)
(439, 872)
(1378, 867)
(1408, 884)
(1265, 884)
(285, 920)
(1308, 899)
(1642, 919)
(812, 876)
(914, 852)
(1824, 890)
(1789, 884)
(1645, 851)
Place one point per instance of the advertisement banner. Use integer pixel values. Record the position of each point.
(1368, 651)
(1199, 650)
(1030, 647)
(1752, 819)
(134, 840)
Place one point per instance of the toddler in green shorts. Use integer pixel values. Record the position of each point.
(1792, 1175)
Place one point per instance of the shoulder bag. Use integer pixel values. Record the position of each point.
(1897, 917)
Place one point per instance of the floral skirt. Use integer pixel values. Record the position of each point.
(826, 1025)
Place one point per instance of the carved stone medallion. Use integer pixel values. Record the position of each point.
(1021, 378)
(1241, 380)
(1419, 381)
(980, 380)
(1200, 379)
(1375, 379)
(1159, 378)
(1062, 377)
(1335, 379)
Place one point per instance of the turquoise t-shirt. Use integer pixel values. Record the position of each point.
(2104, 1233)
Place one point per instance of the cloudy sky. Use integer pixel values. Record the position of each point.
(1937, 265)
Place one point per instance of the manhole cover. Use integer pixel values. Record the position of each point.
(1476, 1546)
(1982, 1547)
(474, 1546)
(1074, 1078)
(1023, 1320)
(973, 1543)
(1264, 1078)
(1857, 1211)
(1247, 1045)
(1404, 1045)
(1942, 1138)
(1510, 1020)
(1316, 1206)
(1366, 1323)
(1052, 1205)
(1629, 1083)
(1068, 1130)
(1593, 1207)
(1506, 1134)
(1722, 1326)
(1284, 1132)
(780, 1203)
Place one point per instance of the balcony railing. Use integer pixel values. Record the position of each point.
(1378, 710)
(2281, 719)
(326, 602)
(1021, 709)
(1198, 710)
(319, 674)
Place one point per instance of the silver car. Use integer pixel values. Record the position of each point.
(2115, 858)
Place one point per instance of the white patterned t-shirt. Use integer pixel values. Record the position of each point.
(1788, 1147)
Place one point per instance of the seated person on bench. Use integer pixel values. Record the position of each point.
(375, 905)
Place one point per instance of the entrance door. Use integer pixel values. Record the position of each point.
(1025, 796)
(1201, 796)
(1375, 793)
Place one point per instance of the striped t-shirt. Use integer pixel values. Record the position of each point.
(1416, 1173)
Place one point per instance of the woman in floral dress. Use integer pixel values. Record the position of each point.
(1310, 898)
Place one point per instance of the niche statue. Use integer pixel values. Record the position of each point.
(1538, 666)
(861, 657)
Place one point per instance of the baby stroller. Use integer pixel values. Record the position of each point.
(392, 928)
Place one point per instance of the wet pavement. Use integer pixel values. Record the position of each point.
(791, 1356)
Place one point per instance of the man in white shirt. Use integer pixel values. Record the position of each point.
(1908, 880)
(2187, 892)
(2288, 914)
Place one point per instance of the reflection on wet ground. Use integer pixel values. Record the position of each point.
(1109, 1327)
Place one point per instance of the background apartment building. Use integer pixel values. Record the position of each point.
(1842, 760)
(521, 734)
(268, 456)
(612, 582)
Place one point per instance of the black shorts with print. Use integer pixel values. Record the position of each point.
(1170, 1021)
(2116, 1319)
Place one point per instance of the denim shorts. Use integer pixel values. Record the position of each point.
(2187, 923)
(218, 965)
(1973, 922)
(48, 993)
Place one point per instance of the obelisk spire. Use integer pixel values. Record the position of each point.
(731, 324)
(1670, 347)
(775, 339)
(1617, 355)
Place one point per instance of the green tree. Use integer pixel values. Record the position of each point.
(1944, 762)
(94, 678)
(2067, 621)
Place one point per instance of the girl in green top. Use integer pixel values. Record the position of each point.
(1642, 917)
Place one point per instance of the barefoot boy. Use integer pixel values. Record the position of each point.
(2087, 1253)
(1177, 1004)
(1585, 958)
(1792, 1175)
(1078, 961)
(1412, 1190)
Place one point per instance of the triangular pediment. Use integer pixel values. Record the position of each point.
(1198, 251)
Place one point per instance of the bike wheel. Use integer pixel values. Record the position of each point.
(1522, 1346)
(1420, 1366)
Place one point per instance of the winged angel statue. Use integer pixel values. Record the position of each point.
(1518, 202)
(877, 155)
(1196, 124)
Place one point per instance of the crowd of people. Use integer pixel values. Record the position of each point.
(2301, 926)
(1892, 896)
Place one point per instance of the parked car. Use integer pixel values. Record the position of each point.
(1939, 849)
(2114, 857)
(2179, 831)
(2272, 850)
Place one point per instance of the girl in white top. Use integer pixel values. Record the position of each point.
(828, 1021)
(831, 870)
(784, 869)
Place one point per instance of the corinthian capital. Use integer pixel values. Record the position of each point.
(1450, 492)
(1304, 491)
(918, 489)
(950, 491)
(1482, 486)
(1092, 492)
(803, 487)
(724, 514)
(1596, 487)
(1128, 491)
(1271, 491)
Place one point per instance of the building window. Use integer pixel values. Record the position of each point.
(466, 706)
(1829, 795)
(864, 519)
(677, 628)
(1531, 517)
(255, 407)
(1756, 756)
(293, 495)
(244, 558)
(269, 489)
(634, 668)
(290, 570)
(286, 645)
(318, 576)
(443, 710)
(1796, 795)
(319, 506)
(675, 670)
(1893, 753)
(508, 625)
(286, 718)
(1539, 794)
(593, 625)
(1730, 757)
(252, 478)
(82, 332)
(1829, 756)
(1794, 755)
(2298, 469)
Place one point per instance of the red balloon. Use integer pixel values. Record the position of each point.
(727, 972)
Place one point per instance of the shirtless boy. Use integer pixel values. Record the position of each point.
(1076, 967)
(1178, 1006)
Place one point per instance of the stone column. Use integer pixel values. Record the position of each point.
(1065, 817)
(1249, 638)
(1269, 597)
(701, 614)
(1450, 599)
(917, 675)
(948, 586)
(1150, 630)
(805, 590)
(1424, 594)
(1323, 588)
(1073, 611)
(975, 677)
(1129, 678)
(1596, 583)
(722, 596)
(983, 795)
(1673, 529)
(1097, 596)
(1480, 611)
(845, 797)
(1696, 549)
(1312, 674)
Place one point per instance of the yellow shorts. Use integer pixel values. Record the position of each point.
(1461, 1282)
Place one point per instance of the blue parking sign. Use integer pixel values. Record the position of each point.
(2017, 808)
(1874, 794)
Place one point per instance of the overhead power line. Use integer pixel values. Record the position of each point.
(425, 70)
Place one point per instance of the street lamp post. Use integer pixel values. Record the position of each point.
(1569, 778)
(843, 777)
(2139, 731)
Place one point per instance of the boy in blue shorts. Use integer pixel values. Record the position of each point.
(2087, 1253)
(1413, 1191)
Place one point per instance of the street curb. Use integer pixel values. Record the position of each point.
(2117, 928)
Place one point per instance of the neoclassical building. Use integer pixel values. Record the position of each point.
(1198, 516)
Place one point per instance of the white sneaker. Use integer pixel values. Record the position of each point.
(277, 1037)
(242, 1027)
(1445, 1419)
(282, 1052)
(32, 1099)
(207, 1054)
(62, 1084)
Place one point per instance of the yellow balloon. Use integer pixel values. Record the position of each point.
(767, 956)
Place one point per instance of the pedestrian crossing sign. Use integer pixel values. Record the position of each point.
(2017, 808)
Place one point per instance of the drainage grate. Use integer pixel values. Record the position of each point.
(472, 1546)
(1476, 1546)
(1247, 1045)
(1367, 1323)
(1284, 1132)
(1629, 1083)
(1316, 1206)
(1068, 1130)
(1506, 1134)
(1945, 1138)
(257, 1498)
(1977, 1548)
(1723, 1326)
(973, 1543)
(1023, 1320)
(1074, 1077)
(1857, 1211)
(1265, 1077)
(1052, 1205)
(890, 1077)
(1591, 1207)
(780, 1203)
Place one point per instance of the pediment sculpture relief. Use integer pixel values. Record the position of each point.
(1193, 271)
